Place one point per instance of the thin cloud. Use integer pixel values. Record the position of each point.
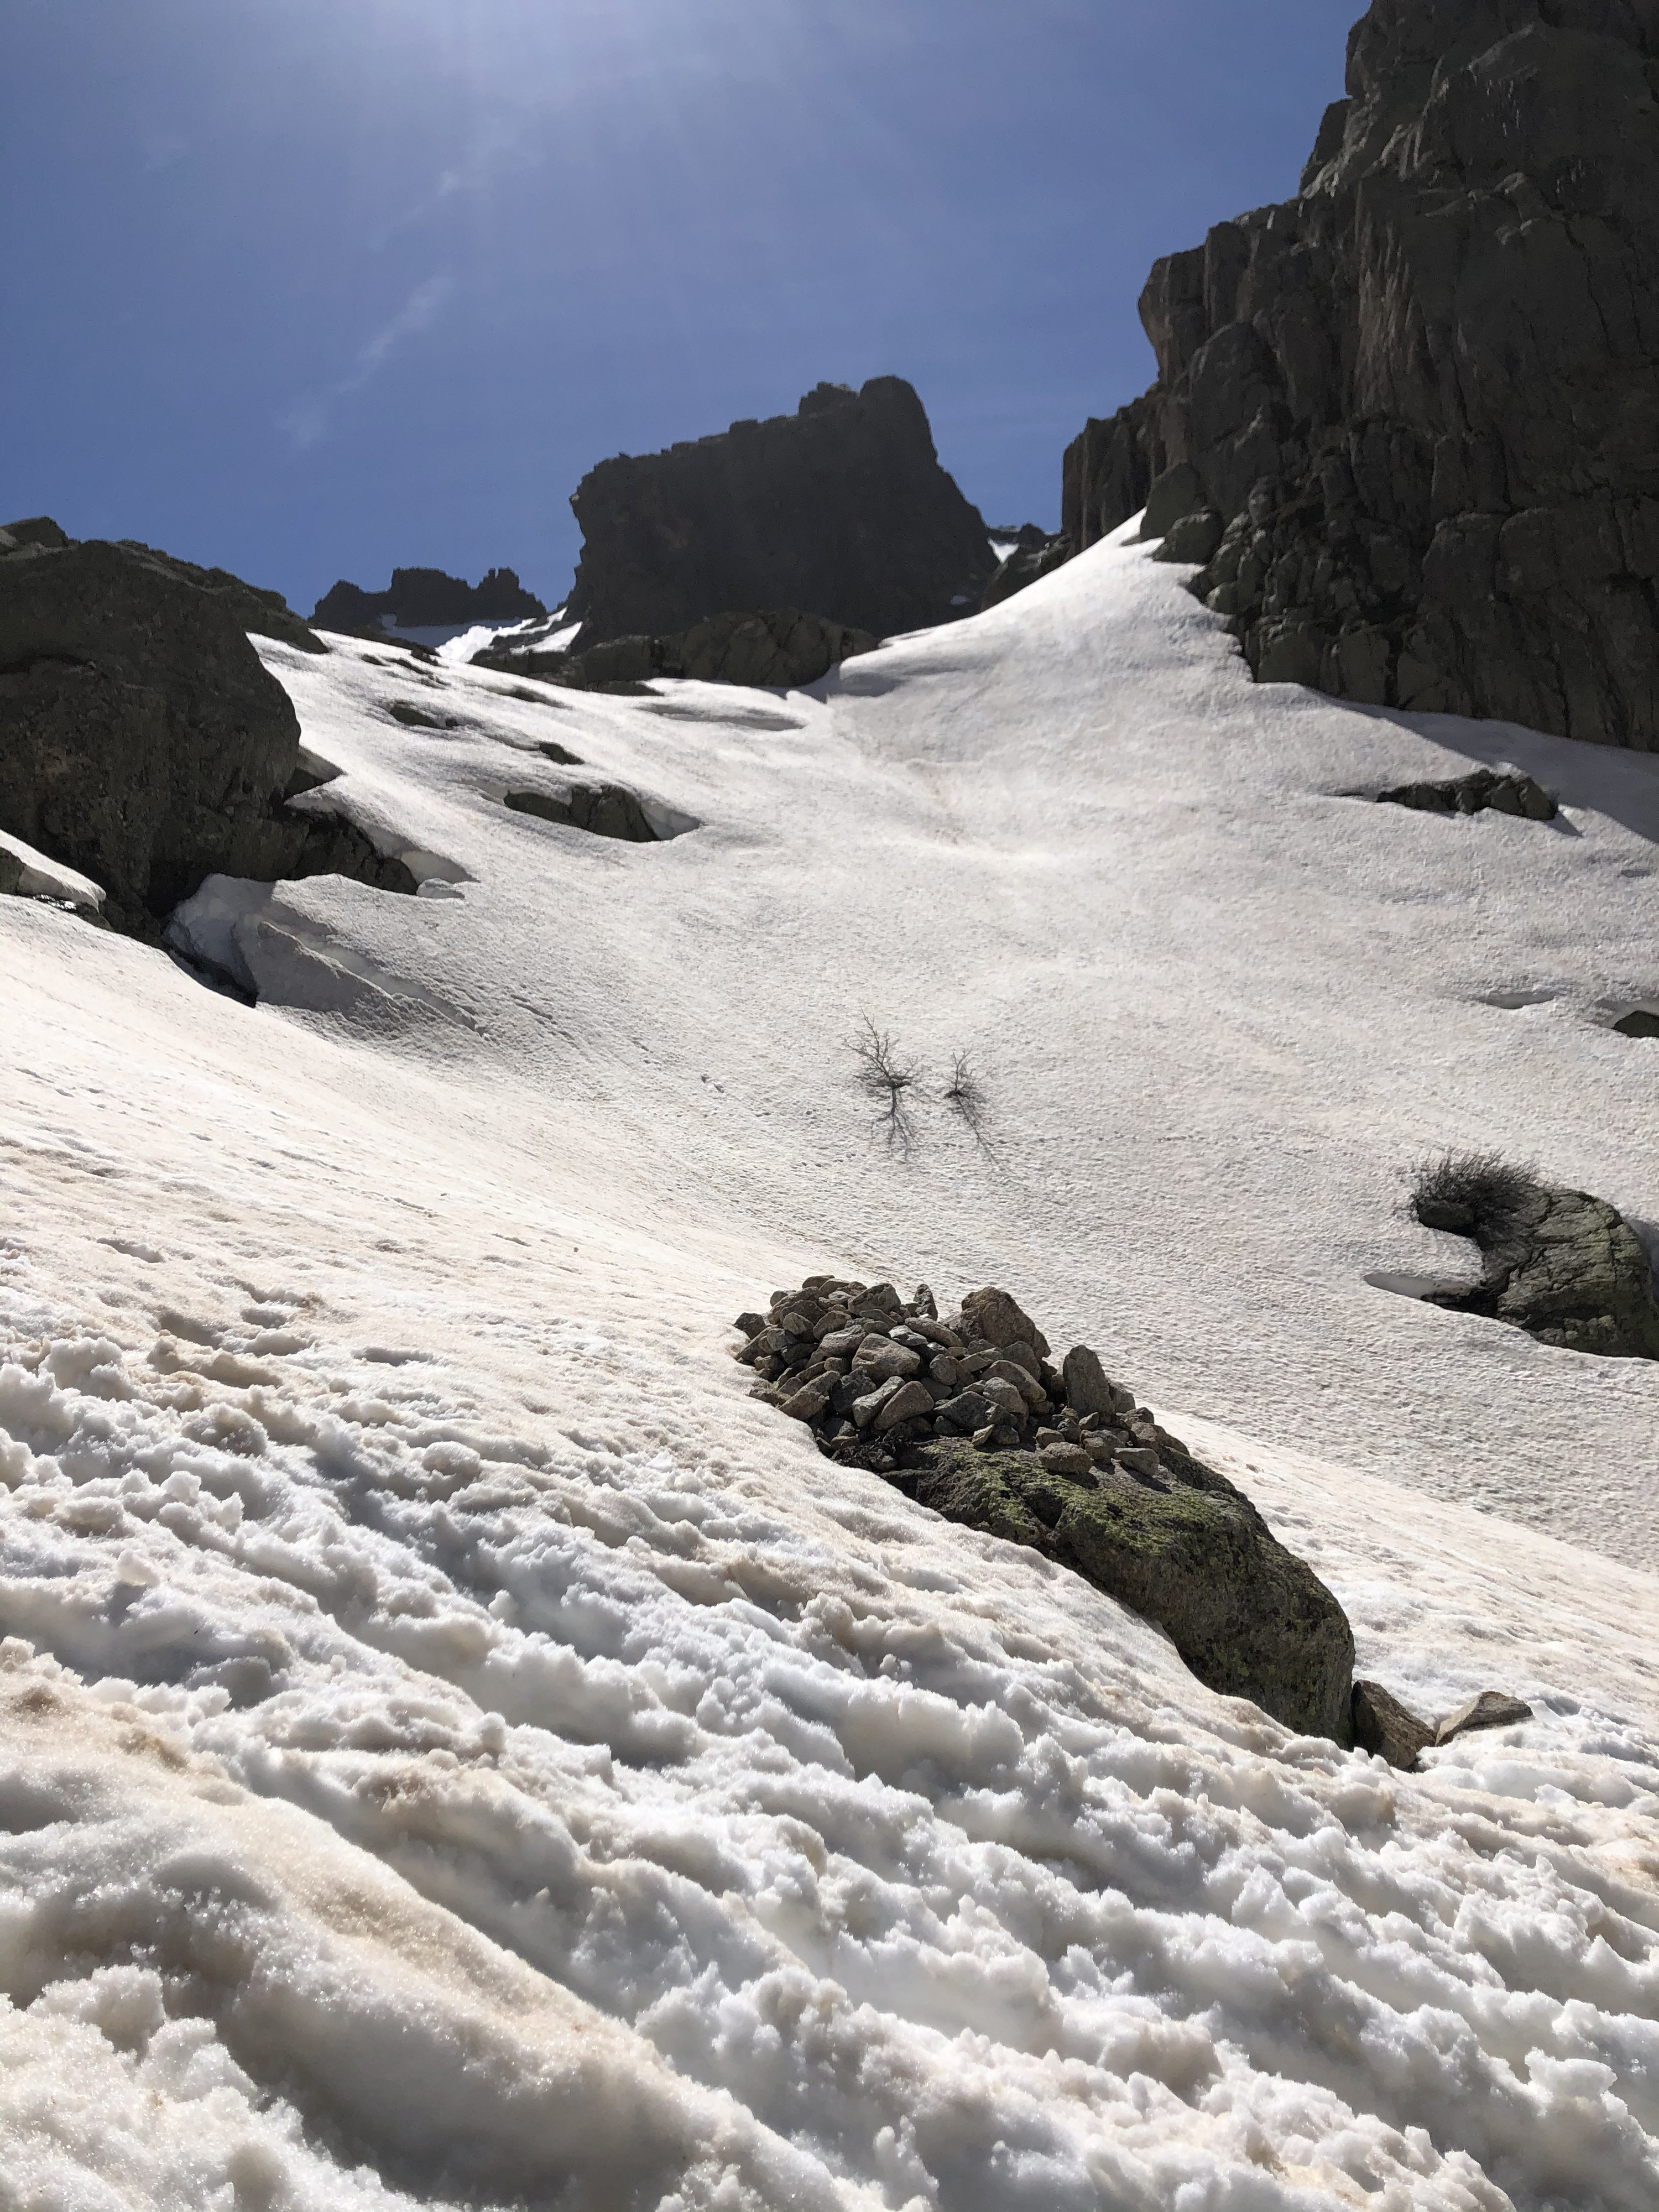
(306, 420)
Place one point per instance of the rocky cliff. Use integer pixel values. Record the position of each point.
(420, 598)
(840, 509)
(1409, 421)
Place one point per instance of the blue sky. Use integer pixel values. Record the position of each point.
(313, 288)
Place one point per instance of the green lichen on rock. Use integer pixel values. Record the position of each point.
(1249, 1618)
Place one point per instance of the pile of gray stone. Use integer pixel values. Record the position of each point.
(870, 1374)
(967, 1414)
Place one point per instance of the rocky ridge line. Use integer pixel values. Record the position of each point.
(781, 648)
(423, 599)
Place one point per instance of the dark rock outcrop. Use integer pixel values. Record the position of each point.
(1415, 410)
(841, 509)
(1482, 789)
(1037, 553)
(967, 1414)
(1564, 1267)
(265, 614)
(426, 598)
(142, 739)
(604, 810)
(781, 649)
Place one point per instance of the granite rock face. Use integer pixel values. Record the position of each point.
(966, 1413)
(840, 509)
(1415, 410)
(420, 598)
(142, 740)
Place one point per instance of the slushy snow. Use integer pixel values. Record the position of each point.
(459, 1749)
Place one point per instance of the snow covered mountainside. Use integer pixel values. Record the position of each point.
(459, 1749)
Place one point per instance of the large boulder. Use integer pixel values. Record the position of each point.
(1418, 406)
(841, 508)
(265, 614)
(779, 649)
(142, 739)
(1189, 1552)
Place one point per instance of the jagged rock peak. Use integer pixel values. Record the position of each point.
(421, 598)
(841, 510)
(1409, 421)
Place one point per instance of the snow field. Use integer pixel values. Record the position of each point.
(458, 1748)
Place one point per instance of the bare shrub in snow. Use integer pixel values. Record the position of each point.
(888, 1079)
(1480, 1194)
(967, 1096)
(965, 1091)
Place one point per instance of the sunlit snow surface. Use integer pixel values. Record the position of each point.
(459, 1749)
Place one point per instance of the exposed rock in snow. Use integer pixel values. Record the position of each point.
(840, 509)
(1491, 1709)
(1566, 1266)
(604, 810)
(145, 744)
(780, 647)
(1383, 1725)
(1507, 794)
(25, 873)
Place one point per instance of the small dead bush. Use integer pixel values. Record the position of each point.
(888, 1079)
(1479, 1195)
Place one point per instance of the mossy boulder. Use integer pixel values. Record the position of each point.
(1250, 1619)
(1566, 1266)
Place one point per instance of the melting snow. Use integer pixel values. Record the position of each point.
(457, 1748)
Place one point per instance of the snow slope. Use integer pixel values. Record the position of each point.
(459, 1749)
